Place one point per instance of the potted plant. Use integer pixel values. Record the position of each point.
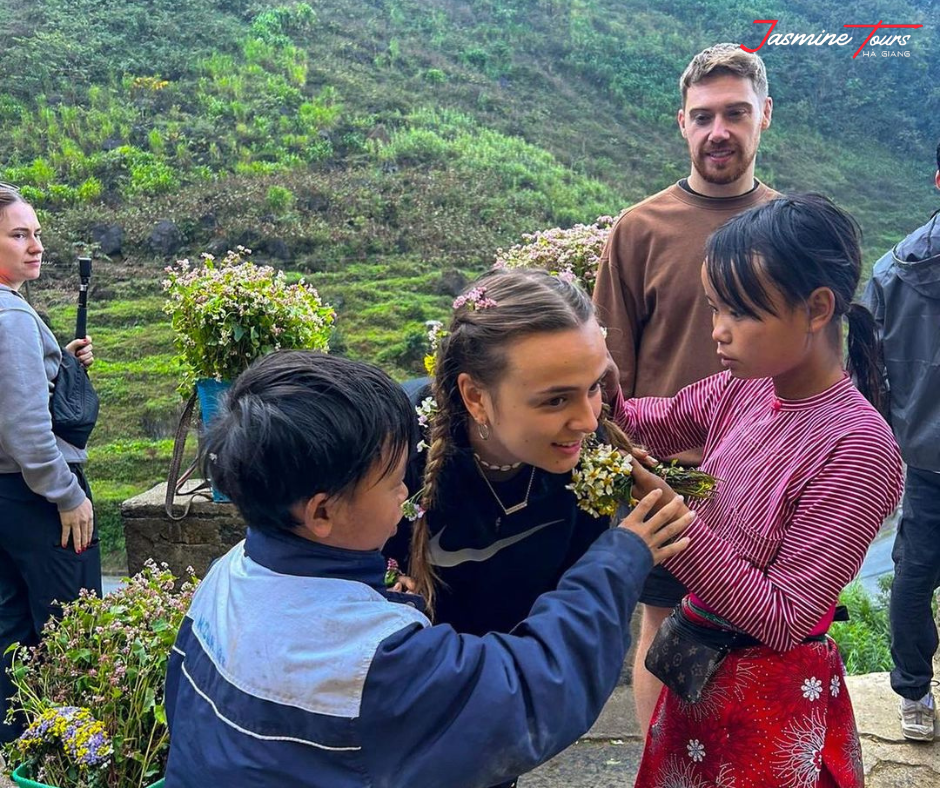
(91, 691)
(227, 314)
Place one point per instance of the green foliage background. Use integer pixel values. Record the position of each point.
(864, 640)
(375, 145)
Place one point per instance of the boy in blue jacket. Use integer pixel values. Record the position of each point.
(295, 666)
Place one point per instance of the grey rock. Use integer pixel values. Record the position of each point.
(452, 282)
(165, 238)
(109, 237)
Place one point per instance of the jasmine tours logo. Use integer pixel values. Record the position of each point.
(840, 40)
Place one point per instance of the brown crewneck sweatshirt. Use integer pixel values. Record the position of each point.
(649, 292)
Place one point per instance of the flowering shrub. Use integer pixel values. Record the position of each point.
(104, 661)
(571, 254)
(228, 314)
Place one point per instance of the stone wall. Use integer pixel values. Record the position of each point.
(207, 531)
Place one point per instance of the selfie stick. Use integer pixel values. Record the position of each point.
(81, 319)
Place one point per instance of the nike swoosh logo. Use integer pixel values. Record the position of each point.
(447, 558)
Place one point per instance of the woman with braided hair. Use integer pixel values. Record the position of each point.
(517, 389)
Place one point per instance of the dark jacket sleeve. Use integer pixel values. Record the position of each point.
(457, 711)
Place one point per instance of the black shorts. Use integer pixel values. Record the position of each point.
(662, 589)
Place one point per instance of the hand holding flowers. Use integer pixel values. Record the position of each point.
(605, 477)
(660, 529)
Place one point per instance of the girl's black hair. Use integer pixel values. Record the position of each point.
(298, 423)
(797, 244)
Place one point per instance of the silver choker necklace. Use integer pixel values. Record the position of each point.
(484, 464)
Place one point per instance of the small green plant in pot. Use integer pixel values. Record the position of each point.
(91, 691)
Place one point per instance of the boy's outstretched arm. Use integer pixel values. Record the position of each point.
(450, 710)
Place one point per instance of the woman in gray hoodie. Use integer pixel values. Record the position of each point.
(48, 546)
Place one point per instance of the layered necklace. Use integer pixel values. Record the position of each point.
(518, 507)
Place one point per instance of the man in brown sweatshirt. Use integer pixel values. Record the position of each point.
(648, 290)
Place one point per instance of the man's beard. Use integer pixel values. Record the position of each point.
(725, 175)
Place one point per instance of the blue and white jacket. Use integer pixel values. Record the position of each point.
(294, 667)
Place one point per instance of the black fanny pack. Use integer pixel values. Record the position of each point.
(74, 402)
(684, 655)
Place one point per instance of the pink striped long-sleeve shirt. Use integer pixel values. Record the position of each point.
(804, 486)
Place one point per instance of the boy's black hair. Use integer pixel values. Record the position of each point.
(298, 423)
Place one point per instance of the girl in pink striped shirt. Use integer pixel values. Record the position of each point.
(808, 470)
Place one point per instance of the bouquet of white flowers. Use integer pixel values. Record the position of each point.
(603, 479)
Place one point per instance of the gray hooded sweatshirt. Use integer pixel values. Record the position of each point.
(904, 296)
(29, 361)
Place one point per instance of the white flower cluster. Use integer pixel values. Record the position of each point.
(571, 254)
(426, 411)
(602, 479)
(225, 315)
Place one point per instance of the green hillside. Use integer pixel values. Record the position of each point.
(379, 147)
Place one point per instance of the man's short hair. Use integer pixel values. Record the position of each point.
(297, 423)
(723, 60)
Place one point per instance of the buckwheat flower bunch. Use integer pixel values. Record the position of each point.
(603, 479)
(412, 509)
(474, 299)
(392, 573)
(426, 412)
(572, 254)
(109, 656)
(227, 314)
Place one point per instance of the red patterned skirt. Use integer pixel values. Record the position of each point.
(765, 720)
